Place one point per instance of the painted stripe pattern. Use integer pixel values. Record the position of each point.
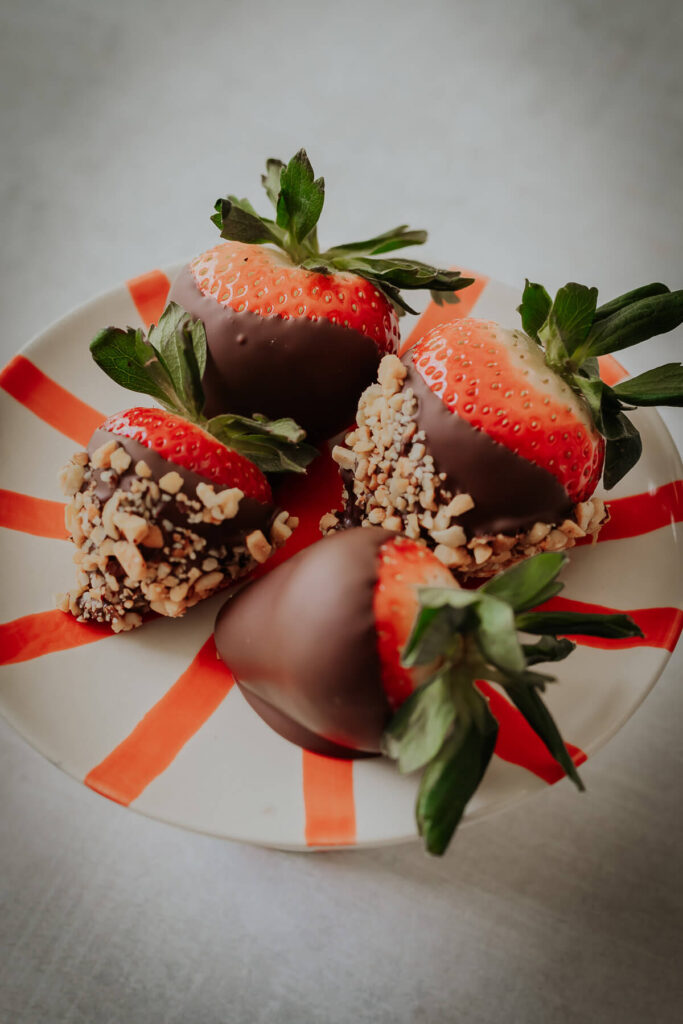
(37, 516)
(149, 293)
(49, 400)
(435, 314)
(328, 800)
(166, 728)
(33, 636)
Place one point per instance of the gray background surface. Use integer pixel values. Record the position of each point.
(534, 138)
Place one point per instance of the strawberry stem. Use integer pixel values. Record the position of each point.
(446, 727)
(574, 331)
(298, 198)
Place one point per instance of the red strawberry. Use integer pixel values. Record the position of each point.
(489, 443)
(291, 330)
(166, 509)
(187, 445)
(403, 565)
(330, 643)
(499, 381)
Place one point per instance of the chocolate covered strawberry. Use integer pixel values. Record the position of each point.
(489, 443)
(364, 643)
(165, 508)
(293, 331)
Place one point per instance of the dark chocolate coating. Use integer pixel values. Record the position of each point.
(510, 493)
(251, 515)
(302, 645)
(312, 371)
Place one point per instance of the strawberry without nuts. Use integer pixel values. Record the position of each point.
(489, 443)
(293, 330)
(372, 646)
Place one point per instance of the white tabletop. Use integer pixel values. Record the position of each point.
(538, 139)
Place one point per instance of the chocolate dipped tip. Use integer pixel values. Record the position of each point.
(301, 643)
(310, 370)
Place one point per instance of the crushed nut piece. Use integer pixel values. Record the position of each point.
(257, 546)
(171, 482)
(120, 461)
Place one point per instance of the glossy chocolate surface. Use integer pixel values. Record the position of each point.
(312, 371)
(301, 644)
(251, 515)
(510, 494)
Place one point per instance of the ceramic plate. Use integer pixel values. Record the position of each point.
(151, 720)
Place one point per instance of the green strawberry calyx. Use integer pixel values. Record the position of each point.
(446, 727)
(169, 365)
(298, 198)
(574, 331)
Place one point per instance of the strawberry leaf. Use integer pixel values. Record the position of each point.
(613, 626)
(569, 322)
(534, 309)
(396, 238)
(450, 780)
(419, 727)
(445, 298)
(301, 197)
(276, 446)
(636, 322)
(548, 648)
(126, 357)
(622, 301)
(525, 585)
(623, 449)
(271, 179)
(496, 635)
(238, 222)
(525, 697)
(661, 386)
(180, 342)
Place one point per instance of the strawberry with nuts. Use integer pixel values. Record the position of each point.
(291, 330)
(373, 647)
(489, 443)
(167, 506)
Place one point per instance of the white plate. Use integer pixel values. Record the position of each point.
(124, 715)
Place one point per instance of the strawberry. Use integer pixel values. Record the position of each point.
(167, 508)
(184, 444)
(292, 330)
(363, 643)
(489, 443)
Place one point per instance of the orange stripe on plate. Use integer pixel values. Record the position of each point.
(643, 513)
(38, 516)
(518, 743)
(611, 371)
(149, 293)
(49, 400)
(661, 626)
(45, 633)
(329, 801)
(435, 314)
(163, 732)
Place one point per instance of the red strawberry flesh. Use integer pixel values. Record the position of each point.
(499, 382)
(403, 565)
(185, 444)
